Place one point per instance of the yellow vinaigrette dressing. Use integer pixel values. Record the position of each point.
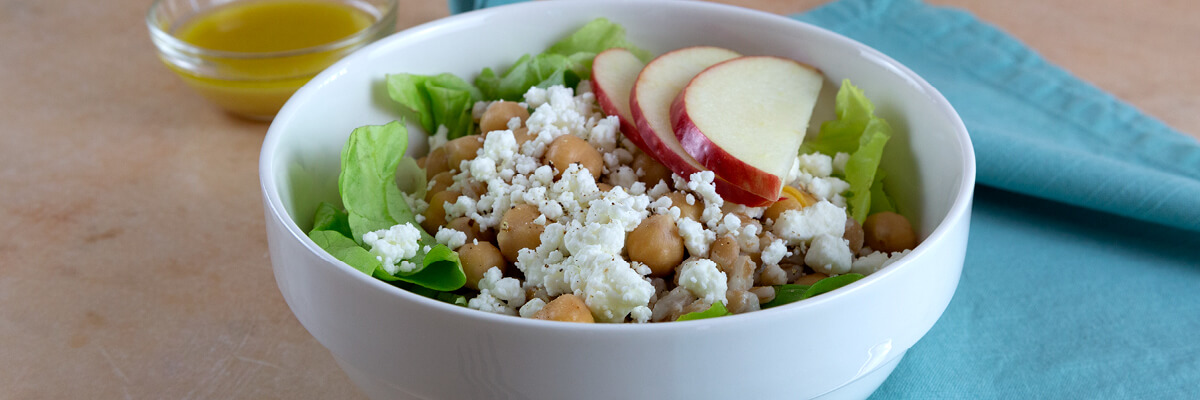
(245, 81)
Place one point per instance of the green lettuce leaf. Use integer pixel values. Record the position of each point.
(862, 165)
(543, 70)
(716, 310)
(565, 63)
(859, 133)
(442, 99)
(373, 202)
(785, 294)
(598, 35)
(880, 201)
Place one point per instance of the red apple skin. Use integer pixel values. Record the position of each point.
(606, 100)
(677, 164)
(696, 143)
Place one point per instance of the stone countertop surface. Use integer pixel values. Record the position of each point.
(135, 261)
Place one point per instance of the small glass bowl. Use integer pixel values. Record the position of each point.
(253, 84)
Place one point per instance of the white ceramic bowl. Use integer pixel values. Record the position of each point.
(395, 344)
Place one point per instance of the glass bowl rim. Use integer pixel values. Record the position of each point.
(165, 41)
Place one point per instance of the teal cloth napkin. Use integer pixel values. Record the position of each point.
(1082, 277)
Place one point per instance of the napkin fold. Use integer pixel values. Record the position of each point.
(1037, 129)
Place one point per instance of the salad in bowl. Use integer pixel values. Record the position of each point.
(596, 183)
(438, 202)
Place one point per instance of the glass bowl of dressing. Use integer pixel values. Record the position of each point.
(249, 56)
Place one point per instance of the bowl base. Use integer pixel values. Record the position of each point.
(862, 387)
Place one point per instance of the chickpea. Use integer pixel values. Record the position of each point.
(570, 149)
(474, 189)
(724, 251)
(810, 278)
(604, 187)
(436, 163)
(888, 232)
(652, 170)
(435, 215)
(477, 258)
(693, 211)
(462, 149)
(440, 181)
(854, 234)
(522, 135)
(566, 308)
(518, 231)
(779, 207)
(497, 115)
(656, 243)
(421, 162)
(469, 227)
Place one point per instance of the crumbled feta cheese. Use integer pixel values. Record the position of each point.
(394, 245)
(875, 261)
(640, 314)
(816, 164)
(532, 307)
(450, 237)
(748, 239)
(704, 280)
(839, 162)
(610, 287)
(829, 254)
(775, 252)
(695, 238)
(440, 137)
(730, 224)
(507, 289)
(608, 238)
(488, 303)
(798, 226)
(658, 190)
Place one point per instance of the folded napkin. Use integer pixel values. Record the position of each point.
(1082, 277)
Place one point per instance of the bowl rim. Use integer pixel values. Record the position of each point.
(959, 209)
(168, 43)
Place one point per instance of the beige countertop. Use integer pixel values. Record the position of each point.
(135, 259)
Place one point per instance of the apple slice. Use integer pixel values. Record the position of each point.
(613, 73)
(745, 119)
(650, 101)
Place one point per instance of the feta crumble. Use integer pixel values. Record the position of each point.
(394, 245)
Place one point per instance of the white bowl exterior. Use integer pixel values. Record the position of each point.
(389, 339)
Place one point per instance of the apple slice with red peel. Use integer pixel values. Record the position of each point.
(650, 101)
(745, 119)
(613, 73)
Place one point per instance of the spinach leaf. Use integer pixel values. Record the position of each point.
(329, 218)
(716, 310)
(373, 201)
(343, 248)
(785, 294)
(831, 283)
